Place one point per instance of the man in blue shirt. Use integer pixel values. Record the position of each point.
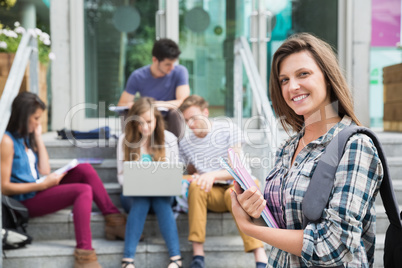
(162, 80)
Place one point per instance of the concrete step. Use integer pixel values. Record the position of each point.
(107, 169)
(221, 252)
(382, 222)
(69, 149)
(60, 225)
(397, 184)
(255, 141)
(395, 167)
(379, 251)
(391, 142)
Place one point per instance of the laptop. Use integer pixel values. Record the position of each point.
(152, 178)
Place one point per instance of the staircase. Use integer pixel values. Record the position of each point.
(53, 235)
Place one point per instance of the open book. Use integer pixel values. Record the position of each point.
(121, 109)
(243, 177)
(118, 109)
(72, 164)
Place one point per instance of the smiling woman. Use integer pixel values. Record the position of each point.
(310, 96)
(303, 84)
(321, 58)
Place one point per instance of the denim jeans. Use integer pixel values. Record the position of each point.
(137, 209)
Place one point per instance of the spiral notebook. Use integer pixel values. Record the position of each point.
(243, 177)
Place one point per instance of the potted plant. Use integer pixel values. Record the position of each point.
(7, 4)
(9, 41)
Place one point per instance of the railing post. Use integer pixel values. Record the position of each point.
(238, 84)
(243, 57)
(14, 81)
(34, 67)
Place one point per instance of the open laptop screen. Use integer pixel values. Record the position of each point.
(152, 178)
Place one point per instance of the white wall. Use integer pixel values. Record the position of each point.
(61, 66)
(354, 35)
(361, 58)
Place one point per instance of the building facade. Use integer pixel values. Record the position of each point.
(99, 43)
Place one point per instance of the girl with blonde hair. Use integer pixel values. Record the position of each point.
(146, 139)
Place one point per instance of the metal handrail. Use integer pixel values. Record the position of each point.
(27, 52)
(244, 58)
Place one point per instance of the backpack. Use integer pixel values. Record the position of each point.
(317, 195)
(15, 221)
(98, 133)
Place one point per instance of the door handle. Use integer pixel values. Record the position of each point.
(268, 17)
(159, 31)
(254, 27)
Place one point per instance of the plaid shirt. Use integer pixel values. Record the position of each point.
(345, 234)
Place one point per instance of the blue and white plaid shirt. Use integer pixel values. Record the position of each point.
(346, 233)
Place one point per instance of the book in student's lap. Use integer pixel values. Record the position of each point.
(72, 164)
(243, 177)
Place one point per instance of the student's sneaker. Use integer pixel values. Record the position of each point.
(197, 263)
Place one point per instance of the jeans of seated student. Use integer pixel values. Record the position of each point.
(216, 200)
(78, 188)
(137, 209)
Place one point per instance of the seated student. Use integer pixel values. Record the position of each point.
(24, 157)
(146, 139)
(163, 80)
(200, 150)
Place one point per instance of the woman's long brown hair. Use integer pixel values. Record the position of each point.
(340, 95)
(24, 105)
(133, 136)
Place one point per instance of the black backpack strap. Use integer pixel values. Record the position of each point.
(386, 190)
(317, 195)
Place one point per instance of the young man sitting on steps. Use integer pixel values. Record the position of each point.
(201, 150)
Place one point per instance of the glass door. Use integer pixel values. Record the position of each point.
(289, 17)
(208, 28)
(207, 31)
(118, 39)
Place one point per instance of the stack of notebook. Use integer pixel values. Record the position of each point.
(243, 177)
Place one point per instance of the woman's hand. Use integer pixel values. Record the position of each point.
(52, 179)
(252, 201)
(38, 131)
(242, 218)
(43, 156)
